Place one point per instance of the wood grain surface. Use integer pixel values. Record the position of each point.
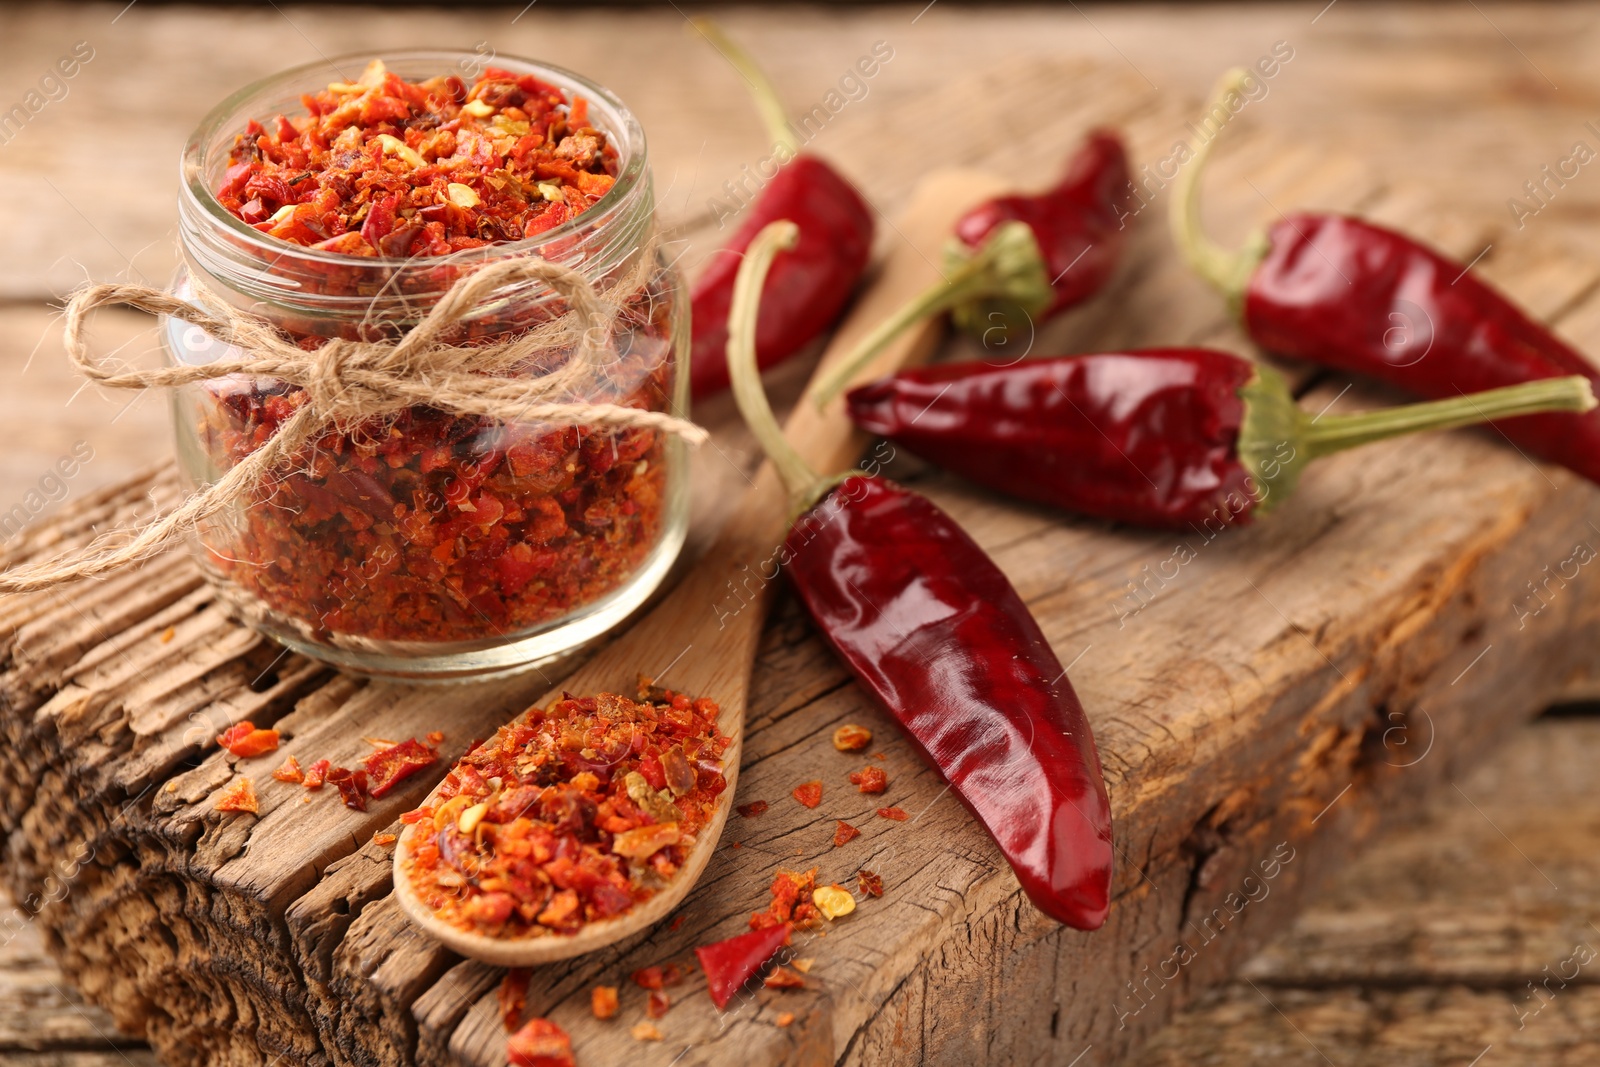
(1258, 698)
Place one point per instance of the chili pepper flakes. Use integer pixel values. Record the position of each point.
(897, 814)
(513, 996)
(658, 1003)
(391, 766)
(290, 771)
(383, 166)
(791, 902)
(541, 1043)
(352, 786)
(851, 738)
(384, 840)
(844, 834)
(870, 779)
(317, 774)
(240, 796)
(603, 1001)
(246, 742)
(751, 810)
(784, 978)
(558, 820)
(784, 1018)
(644, 1032)
(871, 884)
(808, 793)
(729, 964)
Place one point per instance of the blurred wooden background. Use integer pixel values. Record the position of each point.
(1439, 948)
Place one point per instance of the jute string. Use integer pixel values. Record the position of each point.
(349, 382)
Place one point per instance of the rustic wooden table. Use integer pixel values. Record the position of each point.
(1260, 699)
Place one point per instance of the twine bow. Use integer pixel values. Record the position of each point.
(348, 382)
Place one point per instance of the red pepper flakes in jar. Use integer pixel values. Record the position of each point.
(809, 793)
(427, 527)
(553, 822)
(870, 779)
(541, 1043)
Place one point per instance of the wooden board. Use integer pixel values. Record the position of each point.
(1248, 704)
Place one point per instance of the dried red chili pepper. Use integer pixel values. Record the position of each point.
(317, 774)
(851, 738)
(870, 779)
(1348, 294)
(541, 1043)
(246, 742)
(784, 978)
(791, 896)
(752, 809)
(1174, 437)
(808, 793)
(290, 771)
(897, 814)
(603, 1001)
(810, 284)
(391, 766)
(1019, 260)
(730, 964)
(657, 1003)
(550, 824)
(887, 577)
(844, 834)
(871, 884)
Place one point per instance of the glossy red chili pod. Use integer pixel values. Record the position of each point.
(936, 635)
(809, 285)
(1345, 293)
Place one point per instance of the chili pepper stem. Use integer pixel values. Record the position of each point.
(1228, 272)
(805, 485)
(1278, 439)
(761, 87)
(1008, 265)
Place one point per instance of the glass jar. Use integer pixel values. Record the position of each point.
(431, 545)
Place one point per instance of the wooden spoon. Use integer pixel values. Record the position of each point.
(701, 638)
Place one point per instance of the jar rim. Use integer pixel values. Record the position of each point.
(623, 128)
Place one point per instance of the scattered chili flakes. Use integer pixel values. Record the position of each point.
(513, 996)
(833, 901)
(871, 884)
(870, 779)
(435, 738)
(246, 742)
(809, 793)
(541, 1043)
(389, 767)
(290, 772)
(897, 814)
(649, 977)
(240, 796)
(791, 903)
(384, 840)
(658, 1004)
(784, 1018)
(168, 634)
(784, 978)
(603, 1001)
(844, 834)
(851, 738)
(879, 755)
(352, 786)
(644, 1032)
(317, 774)
(677, 921)
(566, 817)
(803, 964)
(752, 809)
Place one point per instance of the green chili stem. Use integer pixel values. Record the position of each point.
(1229, 272)
(1334, 433)
(798, 478)
(1007, 264)
(761, 87)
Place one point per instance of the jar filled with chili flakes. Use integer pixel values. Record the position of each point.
(341, 200)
